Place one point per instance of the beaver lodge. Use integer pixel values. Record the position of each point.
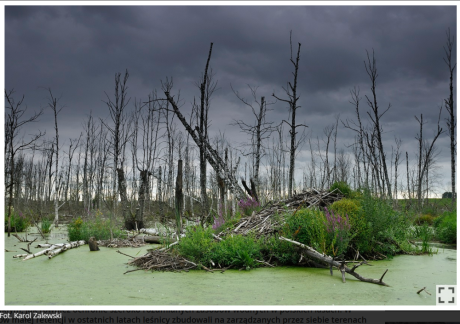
(264, 223)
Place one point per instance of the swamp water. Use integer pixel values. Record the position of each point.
(81, 277)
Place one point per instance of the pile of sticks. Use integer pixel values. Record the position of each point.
(162, 260)
(271, 217)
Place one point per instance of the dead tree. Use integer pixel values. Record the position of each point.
(206, 90)
(371, 69)
(179, 197)
(14, 120)
(53, 105)
(328, 130)
(397, 157)
(359, 129)
(188, 171)
(120, 132)
(251, 192)
(407, 171)
(89, 129)
(426, 151)
(291, 92)
(150, 127)
(210, 154)
(160, 194)
(101, 164)
(72, 147)
(199, 137)
(260, 131)
(334, 177)
(449, 104)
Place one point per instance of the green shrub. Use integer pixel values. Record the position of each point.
(338, 233)
(286, 253)
(351, 208)
(237, 250)
(307, 226)
(197, 244)
(430, 209)
(446, 227)
(425, 234)
(229, 223)
(384, 228)
(46, 225)
(19, 221)
(343, 187)
(97, 227)
(424, 219)
(74, 229)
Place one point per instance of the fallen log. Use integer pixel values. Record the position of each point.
(339, 265)
(44, 245)
(154, 239)
(20, 255)
(61, 246)
(151, 231)
(34, 255)
(65, 247)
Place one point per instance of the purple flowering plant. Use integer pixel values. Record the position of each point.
(218, 220)
(338, 231)
(19, 221)
(248, 205)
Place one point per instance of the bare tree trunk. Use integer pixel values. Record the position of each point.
(425, 156)
(291, 91)
(260, 131)
(397, 156)
(160, 197)
(70, 155)
(334, 178)
(120, 136)
(144, 175)
(203, 126)
(371, 69)
(53, 105)
(449, 104)
(179, 197)
(408, 182)
(122, 190)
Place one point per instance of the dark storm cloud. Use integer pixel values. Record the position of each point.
(76, 50)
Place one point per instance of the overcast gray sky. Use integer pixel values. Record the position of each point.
(76, 51)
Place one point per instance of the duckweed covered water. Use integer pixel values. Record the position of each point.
(81, 277)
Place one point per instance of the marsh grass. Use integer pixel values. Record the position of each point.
(446, 227)
(97, 227)
(19, 221)
(45, 225)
